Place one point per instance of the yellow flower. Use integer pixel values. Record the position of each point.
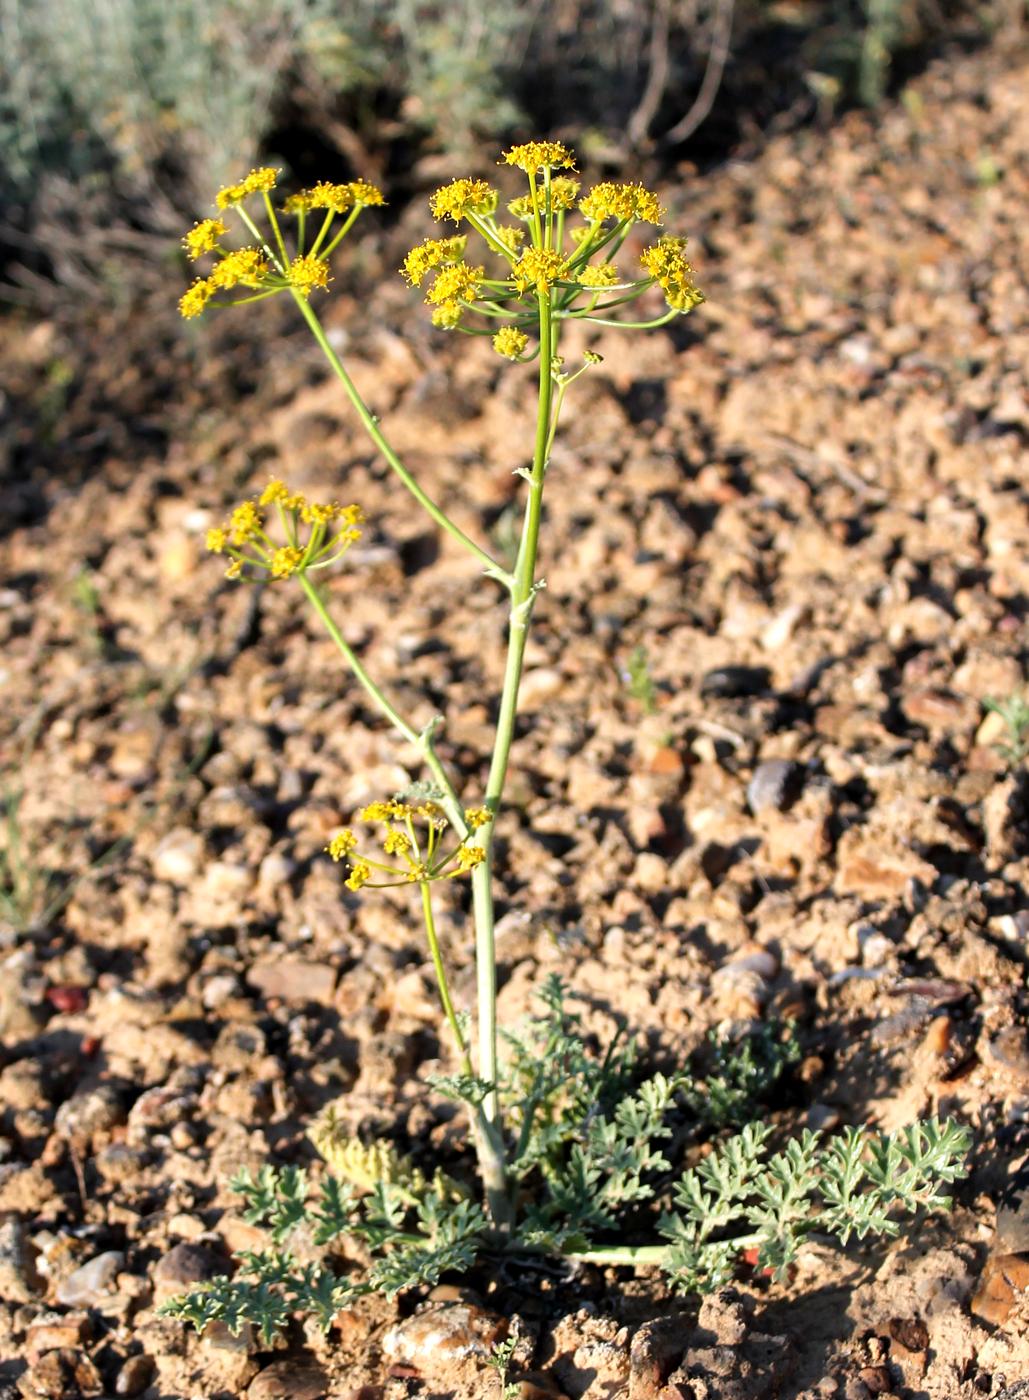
(432, 253)
(245, 522)
(377, 812)
(286, 561)
(511, 238)
(235, 569)
(305, 273)
(562, 192)
(338, 198)
(396, 843)
(246, 267)
(193, 301)
(203, 237)
(463, 197)
(360, 874)
(261, 180)
(273, 492)
(342, 844)
(353, 515)
(459, 282)
(610, 200)
(364, 193)
(509, 342)
(318, 513)
(521, 208)
(666, 263)
(217, 540)
(600, 275)
(298, 203)
(417, 870)
(447, 316)
(468, 857)
(478, 816)
(539, 268)
(534, 155)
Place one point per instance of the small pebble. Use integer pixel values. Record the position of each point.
(134, 1376)
(444, 1332)
(18, 1280)
(84, 1115)
(185, 1264)
(177, 856)
(774, 785)
(288, 1380)
(91, 1280)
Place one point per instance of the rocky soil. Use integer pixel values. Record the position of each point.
(808, 505)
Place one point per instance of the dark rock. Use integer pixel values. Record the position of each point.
(134, 1376)
(288, 1380)
(184, 1265)
(732, 682)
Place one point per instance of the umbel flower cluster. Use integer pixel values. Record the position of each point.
(556, 241)
(542, 252)
(414, 837)
(316, 534)
(265, 267)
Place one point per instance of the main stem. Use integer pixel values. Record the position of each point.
(523, 593)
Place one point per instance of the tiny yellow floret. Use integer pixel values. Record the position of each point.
(448, 315)
(459, 282)
(478, 816)
(666, 263)
(360, 874)
(396, 843)
(563, 191)
(245, 267)
(539, 268)
(262, 180)
(342, 844)
(468, 857)
(274, 492)
(306, 273)
(463, 197)
(599, 275)
(217, 540)
(610, 200)
(326, 195)
(245, 522)
(286, 561)
(434, 252)
(363, 193)
(532, 156)
(203, 237)
(193, 301)
(510, 342)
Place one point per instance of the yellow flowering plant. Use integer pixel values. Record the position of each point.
(557, 254)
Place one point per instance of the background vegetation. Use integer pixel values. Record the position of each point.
(117, 117)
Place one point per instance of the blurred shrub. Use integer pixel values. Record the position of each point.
(118, 117)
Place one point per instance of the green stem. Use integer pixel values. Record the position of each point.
(373, 430)
(523, 594)
(441, 979)
(646, 1255)
(424, 741)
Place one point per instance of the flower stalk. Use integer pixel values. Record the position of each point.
(544, 273)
